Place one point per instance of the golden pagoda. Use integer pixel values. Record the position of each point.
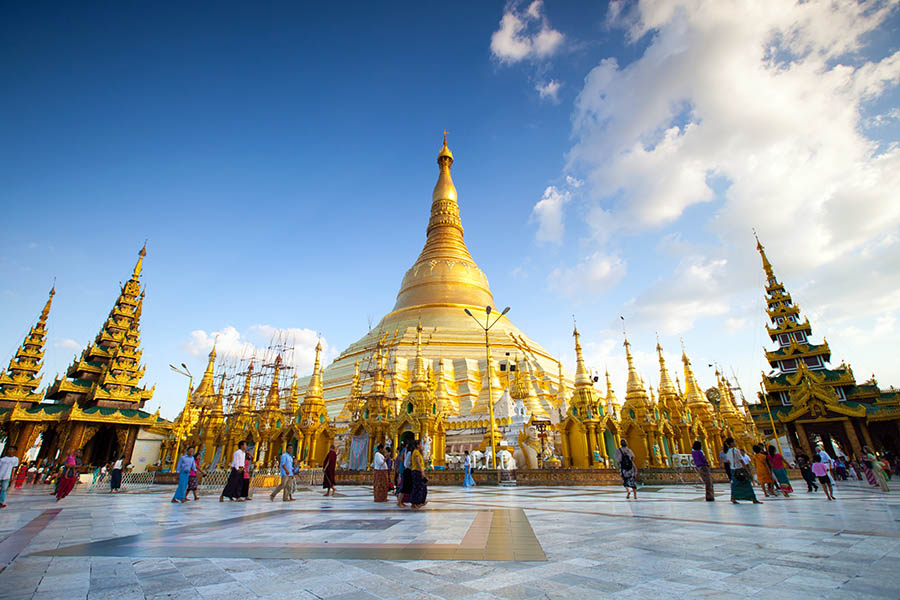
(316, 433)
(442, 282)
(97, 406)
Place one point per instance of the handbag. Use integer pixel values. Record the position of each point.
(740, 474)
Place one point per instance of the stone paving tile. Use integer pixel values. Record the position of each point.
(688, 549)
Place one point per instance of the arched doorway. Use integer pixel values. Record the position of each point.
(103, 448)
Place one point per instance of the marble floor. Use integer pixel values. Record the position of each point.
(483, 543)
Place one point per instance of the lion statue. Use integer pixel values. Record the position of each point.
(528, 449)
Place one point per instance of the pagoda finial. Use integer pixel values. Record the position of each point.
(767, 266)
(314, 388)
(665, 381)
(582, 377)
(140, 262)
(445, 156)
(46, 312)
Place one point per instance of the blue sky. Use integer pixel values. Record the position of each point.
(609, 162)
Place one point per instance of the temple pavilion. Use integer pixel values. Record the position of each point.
(97, 406)
(808, 400)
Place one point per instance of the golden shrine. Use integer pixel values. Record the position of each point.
(425, 375)
(97, 406)
(809, 402)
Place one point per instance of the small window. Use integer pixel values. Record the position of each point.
(321, 418)
(574, 412)
(599, 409)
(409, 408)
(789, 365)
(841, 394)
(434, 409)
(784, 339)
(813, 362)
(630, 413)
(772, 281)
(785, 398)
(800, 336)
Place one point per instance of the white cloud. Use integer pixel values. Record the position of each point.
(231, 344)
(524, 34)
(67, 344)
(745, 115)
(549, 90)
(548, 212)
(596, 273)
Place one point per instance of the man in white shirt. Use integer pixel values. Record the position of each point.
(8, 466)
(236, 478)
(381, 478)
(828, 462)
(286, 468)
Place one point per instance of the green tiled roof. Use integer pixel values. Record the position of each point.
(810, 348)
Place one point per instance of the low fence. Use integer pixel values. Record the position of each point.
(262, 478)
(130, 482)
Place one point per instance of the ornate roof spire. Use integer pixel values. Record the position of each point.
(611, 401)
(694, 397)
(582, 377)
(140, 263)
(218, 399)
(767, 266)
(666, 388)
(634, 380)
(445, 271)
(273, 400)
(314, 388)
(203, 394)
(22, 377)
(419, 375)
(244, 405)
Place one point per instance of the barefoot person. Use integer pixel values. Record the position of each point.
(69, 476)
(741, 483)
(702, 466)
(382, 478)
(235, 482)
(419, 494)
(286, 469)
(328, 471)
(8, 465)
(624, 457)
(183, 468)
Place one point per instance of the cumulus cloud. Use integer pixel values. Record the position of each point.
(595, 273)
(548, 212)
(524, 34)
(231, 344)
(763, 98)
(749, 114)
(549, 91)
(67, 344)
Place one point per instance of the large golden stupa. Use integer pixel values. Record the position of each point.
(443, 282)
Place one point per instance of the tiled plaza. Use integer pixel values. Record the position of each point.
(484, 543)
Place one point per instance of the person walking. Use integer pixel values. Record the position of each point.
(69, 475)
(405, 486)
(235, 481)
(194, 478)
(183, 468)
(779, 470)
(21, 475)
(805, 466)
(328, 467)
(624, 457)
(419, 493)
(115, 478)
(763, 472)
(389, 461)
(468, 480)
(286, 470)
(248, 477)
(381, 477)
(741, 485)
(821, 471)
(726, 464)
(877, 469)
(702, 466)
(8, 465)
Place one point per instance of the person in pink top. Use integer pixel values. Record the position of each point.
(821, 472)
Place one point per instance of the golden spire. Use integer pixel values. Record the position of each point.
(666, 388)
(273, 400)
(140, 263)
(378, 376)
(611, 401)
(695, 399)
(419, 375)
(445, 271)
(218, 398)
(582, 377)
(634, 380)
(22, 377)
(243, 405)
(293, 397)
(726, 404)
(314, 388)
(767, 266)
(204, 389)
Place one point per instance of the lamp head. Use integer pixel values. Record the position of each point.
(488, 309)
(505, 310)
(468, 312)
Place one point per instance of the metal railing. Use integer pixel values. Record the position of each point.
(131, 482)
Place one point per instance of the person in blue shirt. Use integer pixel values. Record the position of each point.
(286, 469)
(183, 468)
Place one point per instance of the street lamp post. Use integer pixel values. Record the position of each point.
(487, 350)
(179, 433)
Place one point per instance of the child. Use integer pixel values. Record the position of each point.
(8, 465)
(821, 471)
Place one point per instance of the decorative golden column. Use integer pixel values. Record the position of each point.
(866, 436)
(804, 438)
